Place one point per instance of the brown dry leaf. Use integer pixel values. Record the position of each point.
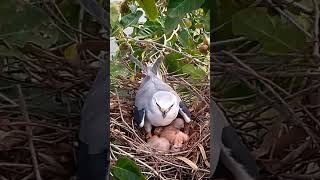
(189, 162)
(204, 156)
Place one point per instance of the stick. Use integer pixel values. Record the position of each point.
(29, 131)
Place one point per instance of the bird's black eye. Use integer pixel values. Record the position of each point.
(158, 105)
(171, 106)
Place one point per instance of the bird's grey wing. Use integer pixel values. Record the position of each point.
(224, 136)
(142, 97)
(217, 124)
(144, 93)
(184, 111)
(239, 152)
(93, 126)
(139, 116)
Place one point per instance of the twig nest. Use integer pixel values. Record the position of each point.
(159, 143)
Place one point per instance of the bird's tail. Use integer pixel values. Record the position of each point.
(155, 68)
(152, 69)
(138, 63)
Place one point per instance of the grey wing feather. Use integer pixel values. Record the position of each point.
(218, 123)
(184, 108)
(239, 151)
(149, 86)
(139, 116)
(93, 127)
(224, 135)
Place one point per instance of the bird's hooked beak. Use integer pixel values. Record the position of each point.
(164, 111)
(164, 114)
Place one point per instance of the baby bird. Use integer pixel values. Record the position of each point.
(159, 143)
(173, 134)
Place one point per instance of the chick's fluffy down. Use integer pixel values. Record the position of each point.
(159, 143)
(175, 137)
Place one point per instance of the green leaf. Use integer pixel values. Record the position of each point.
(126, 169)
(22, 16)
(173, 63)
(124, 174)
(131, 19)
(179, 8)
(42, 35)
(114, 14)
(170, 24)
(118, 69)
(285, 43)
(70, 10)
(185, 39)
(206, 6)
(222, 15)
(10, 52)
(150, 28)
(237, 91)
(26, 24)
(276, 37)
(150, 8)
(194, 71)
(206, 21)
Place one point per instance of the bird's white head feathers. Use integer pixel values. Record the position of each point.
(165, 100)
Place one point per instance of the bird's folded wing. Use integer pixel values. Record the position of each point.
(139, 116)
(224, 135)
(217, 124)
(239, 152)
(93, 127)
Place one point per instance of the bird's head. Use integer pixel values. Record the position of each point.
(164, 101)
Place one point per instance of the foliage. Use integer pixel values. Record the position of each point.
(274, 35)
(265, 25)
(126, 169)
(27, 16)
(182, 25)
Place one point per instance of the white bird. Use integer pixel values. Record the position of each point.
(156, 103)
(229, 156)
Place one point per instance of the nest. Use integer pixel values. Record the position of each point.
(128, 140)
(39, 125)
(280, 121)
